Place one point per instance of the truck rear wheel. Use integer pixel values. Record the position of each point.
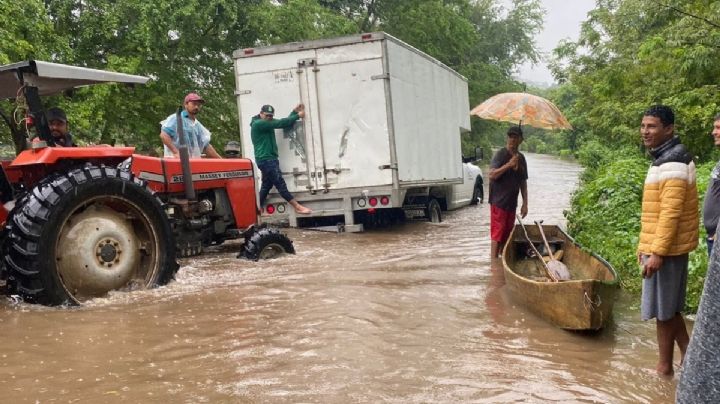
(80, 235)
(433, 211)
(267, 243)
(478, 192)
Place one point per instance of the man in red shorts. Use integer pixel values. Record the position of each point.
(508, 177)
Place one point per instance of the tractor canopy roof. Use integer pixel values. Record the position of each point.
(53, 78)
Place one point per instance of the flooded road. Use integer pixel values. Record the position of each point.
(415, 313)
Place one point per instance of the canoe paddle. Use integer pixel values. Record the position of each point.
(558, 269)
(548, 273)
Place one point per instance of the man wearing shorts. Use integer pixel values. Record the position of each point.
(668, 232)
(508, 178)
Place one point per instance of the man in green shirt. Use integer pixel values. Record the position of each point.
(262, 133)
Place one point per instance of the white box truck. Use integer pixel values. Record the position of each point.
(381, 132)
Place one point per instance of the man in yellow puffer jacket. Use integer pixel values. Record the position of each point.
(669, 231)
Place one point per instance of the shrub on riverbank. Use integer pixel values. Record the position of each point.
(604, 215)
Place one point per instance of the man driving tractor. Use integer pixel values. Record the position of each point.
(59, 128)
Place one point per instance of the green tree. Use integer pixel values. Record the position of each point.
(187, 46)
(27, 33)
(635, 53)
(632, 54)
(183, 45)
(296, 20)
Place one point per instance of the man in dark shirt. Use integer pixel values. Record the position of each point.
(711, 207)
(59, 128)
(508, 178)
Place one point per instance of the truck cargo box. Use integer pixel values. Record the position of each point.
(379, 113)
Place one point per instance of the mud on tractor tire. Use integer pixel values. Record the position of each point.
(267, 243)
(79, 235)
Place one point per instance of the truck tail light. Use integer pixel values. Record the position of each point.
(384, 200)
(373, 201)
(270, 209)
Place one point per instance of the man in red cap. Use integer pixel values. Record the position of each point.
(196, 135)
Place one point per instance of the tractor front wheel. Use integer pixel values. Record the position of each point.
(83, 234)
(267, 243)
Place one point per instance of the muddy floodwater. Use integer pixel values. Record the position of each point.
(412, 314)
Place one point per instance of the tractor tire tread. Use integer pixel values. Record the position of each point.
(261, 238)
(33, 212)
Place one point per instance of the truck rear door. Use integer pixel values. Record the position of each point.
(343, 141)
(346, 94)
(274, 79)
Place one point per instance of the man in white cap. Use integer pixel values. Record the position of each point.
(196, 135)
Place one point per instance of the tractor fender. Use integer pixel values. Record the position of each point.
(51, 155)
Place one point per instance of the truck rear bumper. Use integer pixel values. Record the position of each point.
(334, 203)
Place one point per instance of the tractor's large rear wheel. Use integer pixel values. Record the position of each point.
(85, 233)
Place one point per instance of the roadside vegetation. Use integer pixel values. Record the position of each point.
(632, 54)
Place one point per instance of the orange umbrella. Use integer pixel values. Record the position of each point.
(524, 109)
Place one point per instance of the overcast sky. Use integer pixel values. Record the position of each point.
(562, 21)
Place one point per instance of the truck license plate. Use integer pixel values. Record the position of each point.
(410, 213)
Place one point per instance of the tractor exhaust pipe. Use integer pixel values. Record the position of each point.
(184, 158)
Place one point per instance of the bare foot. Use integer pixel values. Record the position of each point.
(664, 370)
(301, 210)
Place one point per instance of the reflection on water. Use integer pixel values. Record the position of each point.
(415, 313)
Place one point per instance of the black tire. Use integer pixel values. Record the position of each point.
(267, 243)
(79, 235)
(433, 211)
(478, 192)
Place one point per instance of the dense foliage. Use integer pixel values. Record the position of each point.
(632, 54)
(635, 53)
(187, 45)
(605, 214)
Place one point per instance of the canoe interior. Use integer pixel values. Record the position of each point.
(582, 303)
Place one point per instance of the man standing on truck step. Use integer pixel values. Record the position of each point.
(266, 152)
(508, 178)
(196, 135)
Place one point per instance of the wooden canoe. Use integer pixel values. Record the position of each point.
(584, 302)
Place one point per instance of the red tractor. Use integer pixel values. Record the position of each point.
(79, 222)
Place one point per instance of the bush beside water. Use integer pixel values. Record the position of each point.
(604, 215)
